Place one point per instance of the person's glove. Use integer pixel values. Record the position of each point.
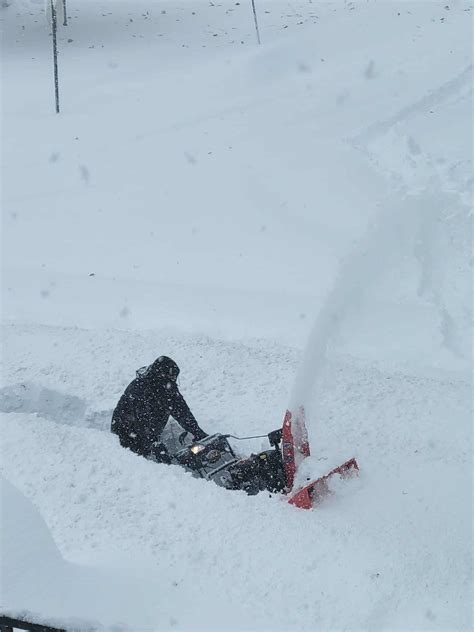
(161, 453)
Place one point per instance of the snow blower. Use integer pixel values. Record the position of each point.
(273, 470)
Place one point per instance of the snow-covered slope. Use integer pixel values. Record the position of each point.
(39, 585)
(291, 222)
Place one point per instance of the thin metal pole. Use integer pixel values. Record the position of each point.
(256, 21)
(64, 13)
(55, 54)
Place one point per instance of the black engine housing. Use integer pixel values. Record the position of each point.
(214, 459)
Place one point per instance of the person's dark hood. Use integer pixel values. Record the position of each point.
(163, 368)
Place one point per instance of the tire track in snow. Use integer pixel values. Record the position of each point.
(433, 99)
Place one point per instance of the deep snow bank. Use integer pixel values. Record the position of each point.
(37, 584)
(390, 548)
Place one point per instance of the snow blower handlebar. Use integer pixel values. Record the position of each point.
(274, 437)
(244, 438)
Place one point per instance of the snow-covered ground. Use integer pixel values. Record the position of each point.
(291, 222)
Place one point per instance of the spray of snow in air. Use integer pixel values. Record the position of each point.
(381, 246)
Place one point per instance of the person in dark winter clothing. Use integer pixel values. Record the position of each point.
(145, 407)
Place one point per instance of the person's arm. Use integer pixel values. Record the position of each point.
(180, 411)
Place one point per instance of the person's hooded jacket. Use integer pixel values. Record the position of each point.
(146, 405)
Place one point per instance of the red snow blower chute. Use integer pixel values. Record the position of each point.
(295, 448)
